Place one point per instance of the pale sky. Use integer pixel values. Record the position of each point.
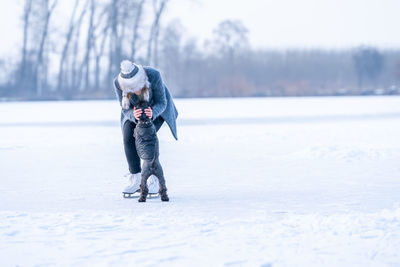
(298, 23)
(271, 23)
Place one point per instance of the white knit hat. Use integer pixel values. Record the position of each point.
(132, 77)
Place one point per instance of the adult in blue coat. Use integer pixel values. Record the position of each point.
(134, 83)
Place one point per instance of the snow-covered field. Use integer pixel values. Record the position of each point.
(252, 182)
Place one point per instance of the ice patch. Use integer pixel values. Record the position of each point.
(275, 182)
(311, 239)
(345, 153)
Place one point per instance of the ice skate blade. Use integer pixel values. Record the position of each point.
(153, 195)
(130, 195)
(137, 195)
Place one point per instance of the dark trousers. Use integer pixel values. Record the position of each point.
(129, 144)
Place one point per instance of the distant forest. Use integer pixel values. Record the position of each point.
(78, 58)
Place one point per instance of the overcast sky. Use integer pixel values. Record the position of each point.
(298, 23)
(272, 23)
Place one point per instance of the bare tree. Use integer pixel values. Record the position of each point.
(230, 35)
(27, 14)
(368, 63)
(72, 25)
(136, 26)
(154, 32)
(38, 73)
(75, 74)
(98, 51)
(171, 53)
(100, 31)
(89, 44)
(114, 44)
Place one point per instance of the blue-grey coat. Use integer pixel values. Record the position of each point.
(160, 101)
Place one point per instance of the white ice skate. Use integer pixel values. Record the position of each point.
(134, 184)
(153, 185)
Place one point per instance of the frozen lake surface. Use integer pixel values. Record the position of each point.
(252, 182)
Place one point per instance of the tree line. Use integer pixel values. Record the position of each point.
(78, 58)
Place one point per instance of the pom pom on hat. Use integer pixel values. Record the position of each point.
(126, 66)
(132, 77)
